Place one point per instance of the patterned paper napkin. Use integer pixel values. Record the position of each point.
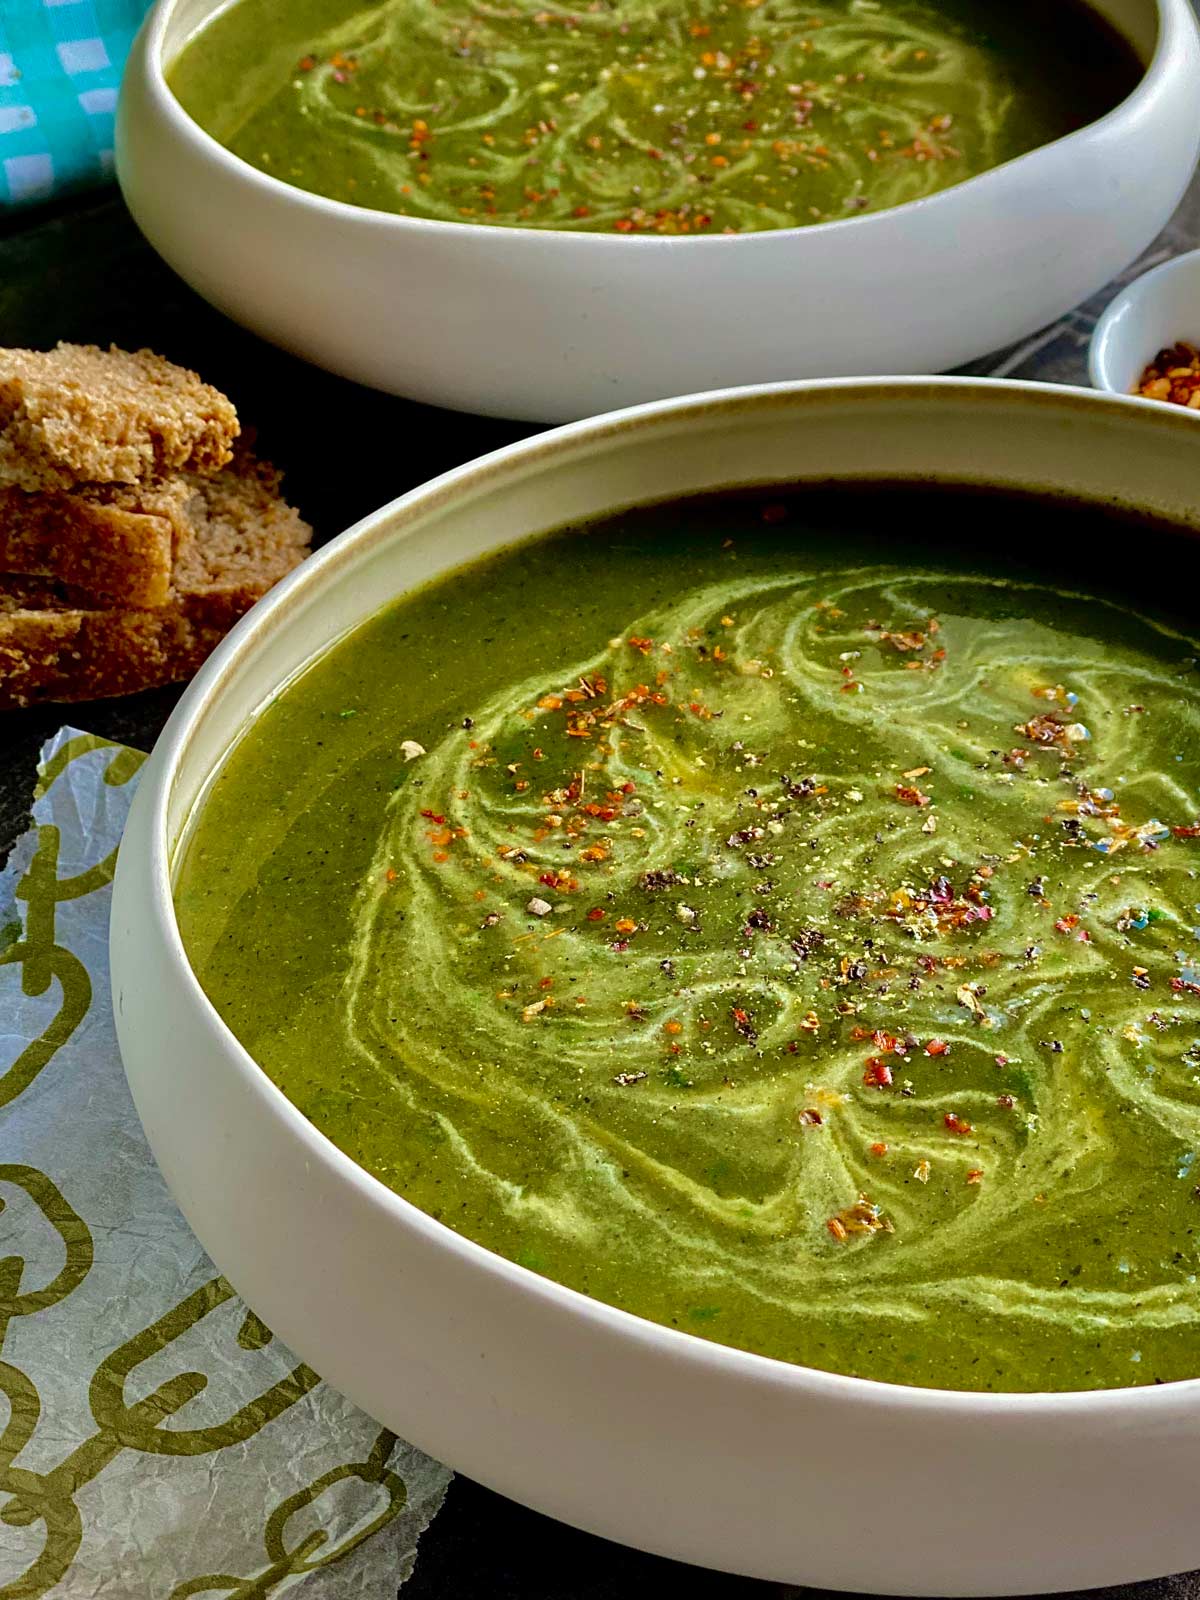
(60, 65)
(156, 1441)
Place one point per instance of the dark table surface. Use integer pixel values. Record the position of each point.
(82, 272)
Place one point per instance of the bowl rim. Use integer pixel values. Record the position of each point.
(1172, 15)
(1142, 288)
(200, 701)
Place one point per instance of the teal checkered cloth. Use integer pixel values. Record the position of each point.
(60, 64)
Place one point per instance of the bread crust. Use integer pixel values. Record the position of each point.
(118, 543)
(239, 538)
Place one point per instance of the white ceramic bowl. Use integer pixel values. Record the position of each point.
(1154, 311)
(632, 1430)
(549, 325)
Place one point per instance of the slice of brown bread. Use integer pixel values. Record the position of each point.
(117, 542)
(50, 650)
(79, 414)
(55, 644)
(243, 537)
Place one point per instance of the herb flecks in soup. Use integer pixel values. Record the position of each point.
(793, 945)
(643, 118)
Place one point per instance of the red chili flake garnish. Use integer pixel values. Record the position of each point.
(1001, 1061)
(1182, 986)
(879, 1149)
(880, 1039)
(956, 1124)
(1045, 730)
(861, 1218)
(877, 1075)
(1065, 924)
(1191, 832)
(434, 816)
(908, 796)
(1005, 1101)
(744, 1024)
(975, 1175)
(937, 1047)
(912, 907)
(545, 983)
(1174, 375)
(903, 642)
(596, 914)
(811, 1118)
(641, 645)
(775, 512)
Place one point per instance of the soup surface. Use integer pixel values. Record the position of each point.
(784, 933)
(669, 118)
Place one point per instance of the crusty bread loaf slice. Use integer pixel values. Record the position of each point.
(79, 414)
(243, 537)
(56, 644)
(117, 542)
(51, 650)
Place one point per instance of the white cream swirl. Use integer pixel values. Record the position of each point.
(629, 948)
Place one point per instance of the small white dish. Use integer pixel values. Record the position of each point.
(636, 1431)
(547, 326)
(1152, 313)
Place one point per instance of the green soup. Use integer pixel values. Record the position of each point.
(785, 935)
(675, 118)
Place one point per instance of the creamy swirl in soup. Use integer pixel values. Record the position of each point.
(781, 932)
(675, 118)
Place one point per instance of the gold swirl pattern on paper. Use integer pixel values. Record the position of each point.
(142, 1398)
(901, 773)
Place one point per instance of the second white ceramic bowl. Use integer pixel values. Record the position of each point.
(1152, 313)
(547, 325)
(632, 1430)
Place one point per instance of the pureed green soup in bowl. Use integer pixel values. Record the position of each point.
(761, 916)
(617, 114)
